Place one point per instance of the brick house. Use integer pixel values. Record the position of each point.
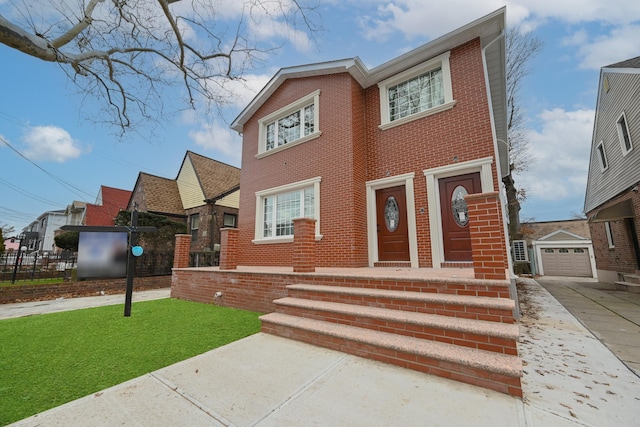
(370, 214)
(204, 196)
(358, 147)
(612, 202)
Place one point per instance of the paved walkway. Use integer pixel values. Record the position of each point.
(570, 379)
(612, 315)
(21, 309)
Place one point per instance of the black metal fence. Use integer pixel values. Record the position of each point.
(204, 259)
(34, 267)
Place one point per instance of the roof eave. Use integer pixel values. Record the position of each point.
(485, 28)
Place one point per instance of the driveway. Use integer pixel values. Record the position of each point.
(611, 315)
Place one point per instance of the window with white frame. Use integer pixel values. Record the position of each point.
(623, 135)
(602, 156)
(609, 233)
(276, 208)
(420, 91)
(291, 125)
(194, 224)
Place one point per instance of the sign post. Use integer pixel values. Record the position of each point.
(133, 231)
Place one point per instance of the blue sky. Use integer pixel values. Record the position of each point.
(41, 113)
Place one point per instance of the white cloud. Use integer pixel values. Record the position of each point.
(619, 44)
(51, 143)
(419, 18)
(560, 151)
(219, 138)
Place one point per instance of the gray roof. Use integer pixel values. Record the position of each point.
(629, 63)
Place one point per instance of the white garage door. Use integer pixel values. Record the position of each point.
(566, 262)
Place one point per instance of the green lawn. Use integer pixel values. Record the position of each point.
(51, 359)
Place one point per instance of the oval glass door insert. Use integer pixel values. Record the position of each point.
(391, 214)
(459, 206)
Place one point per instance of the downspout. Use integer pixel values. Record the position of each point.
(512, 287)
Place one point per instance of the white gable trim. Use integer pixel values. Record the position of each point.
(548, 236)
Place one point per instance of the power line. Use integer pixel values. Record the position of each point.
(74, 189)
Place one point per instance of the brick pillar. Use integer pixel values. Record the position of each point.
(181, 255)
(304, 245)
(487, 236)
(228, 248)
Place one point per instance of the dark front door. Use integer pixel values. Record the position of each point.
(393, 233)
(455, 218)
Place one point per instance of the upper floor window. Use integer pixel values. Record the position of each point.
(276, 208)
(418, 92)
(602, 156)
(291, 125)
(623, 135)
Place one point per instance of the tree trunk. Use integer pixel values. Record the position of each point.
(513, 208)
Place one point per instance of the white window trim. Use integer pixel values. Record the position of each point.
(260, 195)
(609, 233)
(438, 61)
(623, 116)
(602, 157)
(379, 184)
(432, 176)
(312, 98)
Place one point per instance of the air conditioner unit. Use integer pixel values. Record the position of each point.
(520, 252)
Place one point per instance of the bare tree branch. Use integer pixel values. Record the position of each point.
(521, 49)
(129, 52)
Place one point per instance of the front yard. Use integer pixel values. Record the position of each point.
(51, 359)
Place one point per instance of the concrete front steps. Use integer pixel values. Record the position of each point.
(629, 283)
(435, 330)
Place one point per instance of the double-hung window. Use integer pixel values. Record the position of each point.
(194, 224)
(623, 135)
(602, 156)
(418, 92)
(276, 208)
(291, 125)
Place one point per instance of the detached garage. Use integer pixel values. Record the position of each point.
(563, 253)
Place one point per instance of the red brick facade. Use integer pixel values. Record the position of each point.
(487, 236)
(352, 150)
(622, 257)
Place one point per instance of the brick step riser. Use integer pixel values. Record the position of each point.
(479, 289)
(464, 339)
(457, 372)
(442, 309)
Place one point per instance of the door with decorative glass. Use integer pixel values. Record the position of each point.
(392, 230)
(455, 215)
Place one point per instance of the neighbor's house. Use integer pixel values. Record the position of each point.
(109, 202)
(346, 171)
(558, 248)
(45, 226)
(612, 202)
(204, 196)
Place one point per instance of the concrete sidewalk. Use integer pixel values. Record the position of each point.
(21, 309)
(570, 379)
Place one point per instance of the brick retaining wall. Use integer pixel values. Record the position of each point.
(20, 293)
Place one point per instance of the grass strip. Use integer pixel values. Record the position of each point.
(51, 359)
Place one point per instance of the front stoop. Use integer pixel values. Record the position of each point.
(471, 339)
